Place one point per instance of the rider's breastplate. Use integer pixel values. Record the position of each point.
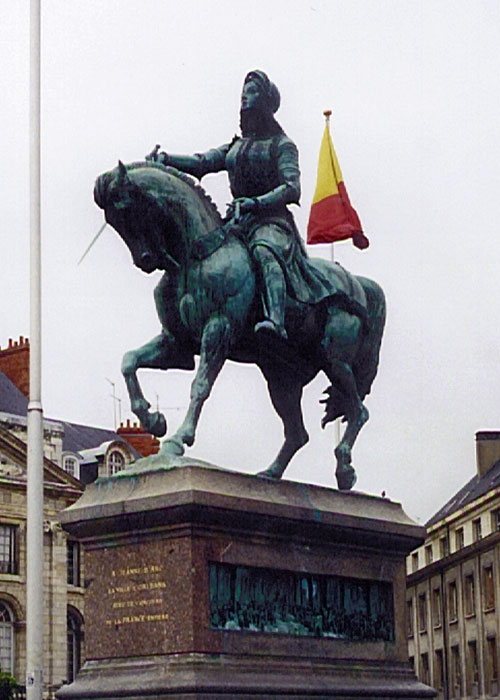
(252, 167)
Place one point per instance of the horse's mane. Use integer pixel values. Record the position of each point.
(195, 186)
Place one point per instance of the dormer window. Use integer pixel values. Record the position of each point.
(116, 462)
(71, 466)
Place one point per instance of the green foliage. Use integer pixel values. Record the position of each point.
(7, 685)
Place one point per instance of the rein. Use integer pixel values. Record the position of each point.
(204, 246)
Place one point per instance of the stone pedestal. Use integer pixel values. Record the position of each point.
(205, 583)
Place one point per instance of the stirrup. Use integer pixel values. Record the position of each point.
(270, 326)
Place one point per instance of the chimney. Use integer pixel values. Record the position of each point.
(145, 443)
(487, 450)
(15, 363)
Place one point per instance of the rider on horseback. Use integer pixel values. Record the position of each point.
(264, 177)
(206, 297)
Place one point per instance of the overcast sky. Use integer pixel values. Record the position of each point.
(414, 89)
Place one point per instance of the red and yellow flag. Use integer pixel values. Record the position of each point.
(332, 217)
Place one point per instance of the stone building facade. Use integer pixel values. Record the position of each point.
(74, 455)
(64, 607)
(453, 587)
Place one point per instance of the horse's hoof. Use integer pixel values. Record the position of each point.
(157, 424)
(188, 440)
(172, 448)
(274, 471)
(346, 478)
(268, 474)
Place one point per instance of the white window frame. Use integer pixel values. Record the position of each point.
(111, 462)
(72, 458)
(8, 626)
(9, 535)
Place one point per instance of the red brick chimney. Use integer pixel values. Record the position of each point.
(145, 443)
(15, 363)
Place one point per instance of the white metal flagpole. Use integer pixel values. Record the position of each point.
(34, 574)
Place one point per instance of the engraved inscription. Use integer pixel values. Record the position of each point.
(135, 595)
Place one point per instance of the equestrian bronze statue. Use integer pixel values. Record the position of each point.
(243, 287)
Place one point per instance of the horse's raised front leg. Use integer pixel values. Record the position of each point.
(214, 349)
(159, 353)
(286, 395)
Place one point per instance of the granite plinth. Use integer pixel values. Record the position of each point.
(151, 535)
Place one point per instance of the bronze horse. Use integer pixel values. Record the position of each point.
(207, 305)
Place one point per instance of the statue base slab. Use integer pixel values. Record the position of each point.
(206, 583)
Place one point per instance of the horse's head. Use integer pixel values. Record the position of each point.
(149, 207)
(132, 210)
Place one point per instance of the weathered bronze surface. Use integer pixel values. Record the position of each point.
(243, 287)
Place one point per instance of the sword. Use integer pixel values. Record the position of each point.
(93, 241)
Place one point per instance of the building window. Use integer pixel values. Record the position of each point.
(456, 673)
(116, 462)
(436, 607)
(470, 596)
(444, 546)
(6, 638)
(492, 665)
(428, 554)
(476, 529)
(422, 613)
(452, 601)
(70, 465)
(459, 538)
(488, 588)
(73, 562)
(472, 670)
(414, 561)
(74, 645)
(438, 670)
(424, 668)
(8, 537)
(409, 618)
(495, 520)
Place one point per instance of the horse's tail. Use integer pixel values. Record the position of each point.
(365, 364)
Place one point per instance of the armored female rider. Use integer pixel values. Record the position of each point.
(264, 178)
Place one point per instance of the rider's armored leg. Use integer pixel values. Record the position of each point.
(273, 291)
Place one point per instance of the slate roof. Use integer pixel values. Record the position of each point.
(76, 437)
(80, 437)
(11, 399)
(473, 489)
